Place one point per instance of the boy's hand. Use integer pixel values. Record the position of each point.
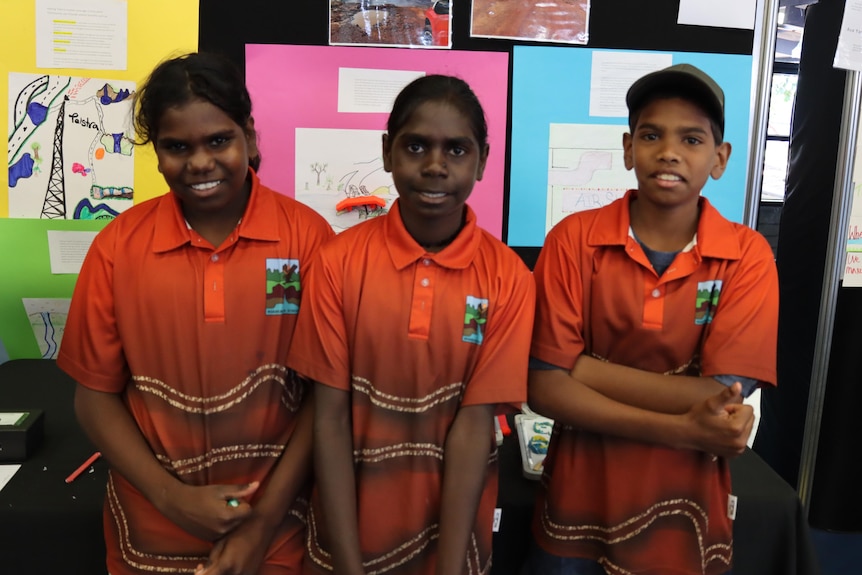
(721, 424)
(207, 511)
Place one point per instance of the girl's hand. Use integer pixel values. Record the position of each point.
(240, 552)
(207, 511)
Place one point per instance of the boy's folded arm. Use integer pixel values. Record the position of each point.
(674, 394)
(717, 425)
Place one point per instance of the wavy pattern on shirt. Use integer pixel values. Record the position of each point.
(407, 450)
(396, 557)
(409, 550)
(220, 455)
(138, 559)
(163, 563)
(291, 396)
(391, 402)
(634, 526)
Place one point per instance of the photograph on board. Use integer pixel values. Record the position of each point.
(391, 23)
(563, 21)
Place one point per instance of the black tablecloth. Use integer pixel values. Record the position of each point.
(48, 526)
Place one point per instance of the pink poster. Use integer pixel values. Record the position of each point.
(320, 111)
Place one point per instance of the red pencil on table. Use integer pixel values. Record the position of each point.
(74, 475)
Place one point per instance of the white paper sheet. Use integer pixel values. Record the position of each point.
(612, 74)
(89, 34)
(370, 91)
(7, 472)
(47, 317)
(724, 14)
(848, 54)
(68, 249)
(852, 272)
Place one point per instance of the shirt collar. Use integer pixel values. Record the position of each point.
(404, 250)
(715, 236)
(259, 221)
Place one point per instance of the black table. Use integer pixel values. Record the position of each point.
(48, 526)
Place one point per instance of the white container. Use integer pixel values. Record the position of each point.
(534, 436)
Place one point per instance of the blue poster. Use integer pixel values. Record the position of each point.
(568, 117)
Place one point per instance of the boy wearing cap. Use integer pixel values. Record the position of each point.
(655, 316)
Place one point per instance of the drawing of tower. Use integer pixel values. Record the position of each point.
(54, 207)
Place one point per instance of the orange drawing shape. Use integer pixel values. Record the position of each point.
(350, 203)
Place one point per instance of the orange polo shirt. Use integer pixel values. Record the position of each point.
(194, 339)
(640, 507)
(412, 336)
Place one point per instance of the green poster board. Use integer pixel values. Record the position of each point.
(25, 272)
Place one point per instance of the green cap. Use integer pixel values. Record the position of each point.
(684, 79)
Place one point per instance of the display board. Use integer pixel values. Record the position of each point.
(227, 27)
(153, 31)
(326, 138)
(567, 152)
(161, 28)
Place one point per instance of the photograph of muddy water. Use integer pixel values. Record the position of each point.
(549, 20)
(396, 22)
(401, 22)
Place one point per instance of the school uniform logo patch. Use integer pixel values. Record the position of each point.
(707, 300)
(283, 290)
(475, 318)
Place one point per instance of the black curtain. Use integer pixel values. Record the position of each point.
(836, 499)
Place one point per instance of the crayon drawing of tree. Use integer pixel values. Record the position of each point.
(318, 169)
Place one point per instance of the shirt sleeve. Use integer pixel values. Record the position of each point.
(540, 365)
(500, 375)
(558, 329)
(92, 351)
(748, 384)
(319, 348)
(742, 338)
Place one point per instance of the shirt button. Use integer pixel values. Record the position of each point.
(214, 257)
(656, 292)
(425, 282)
(426, 261)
